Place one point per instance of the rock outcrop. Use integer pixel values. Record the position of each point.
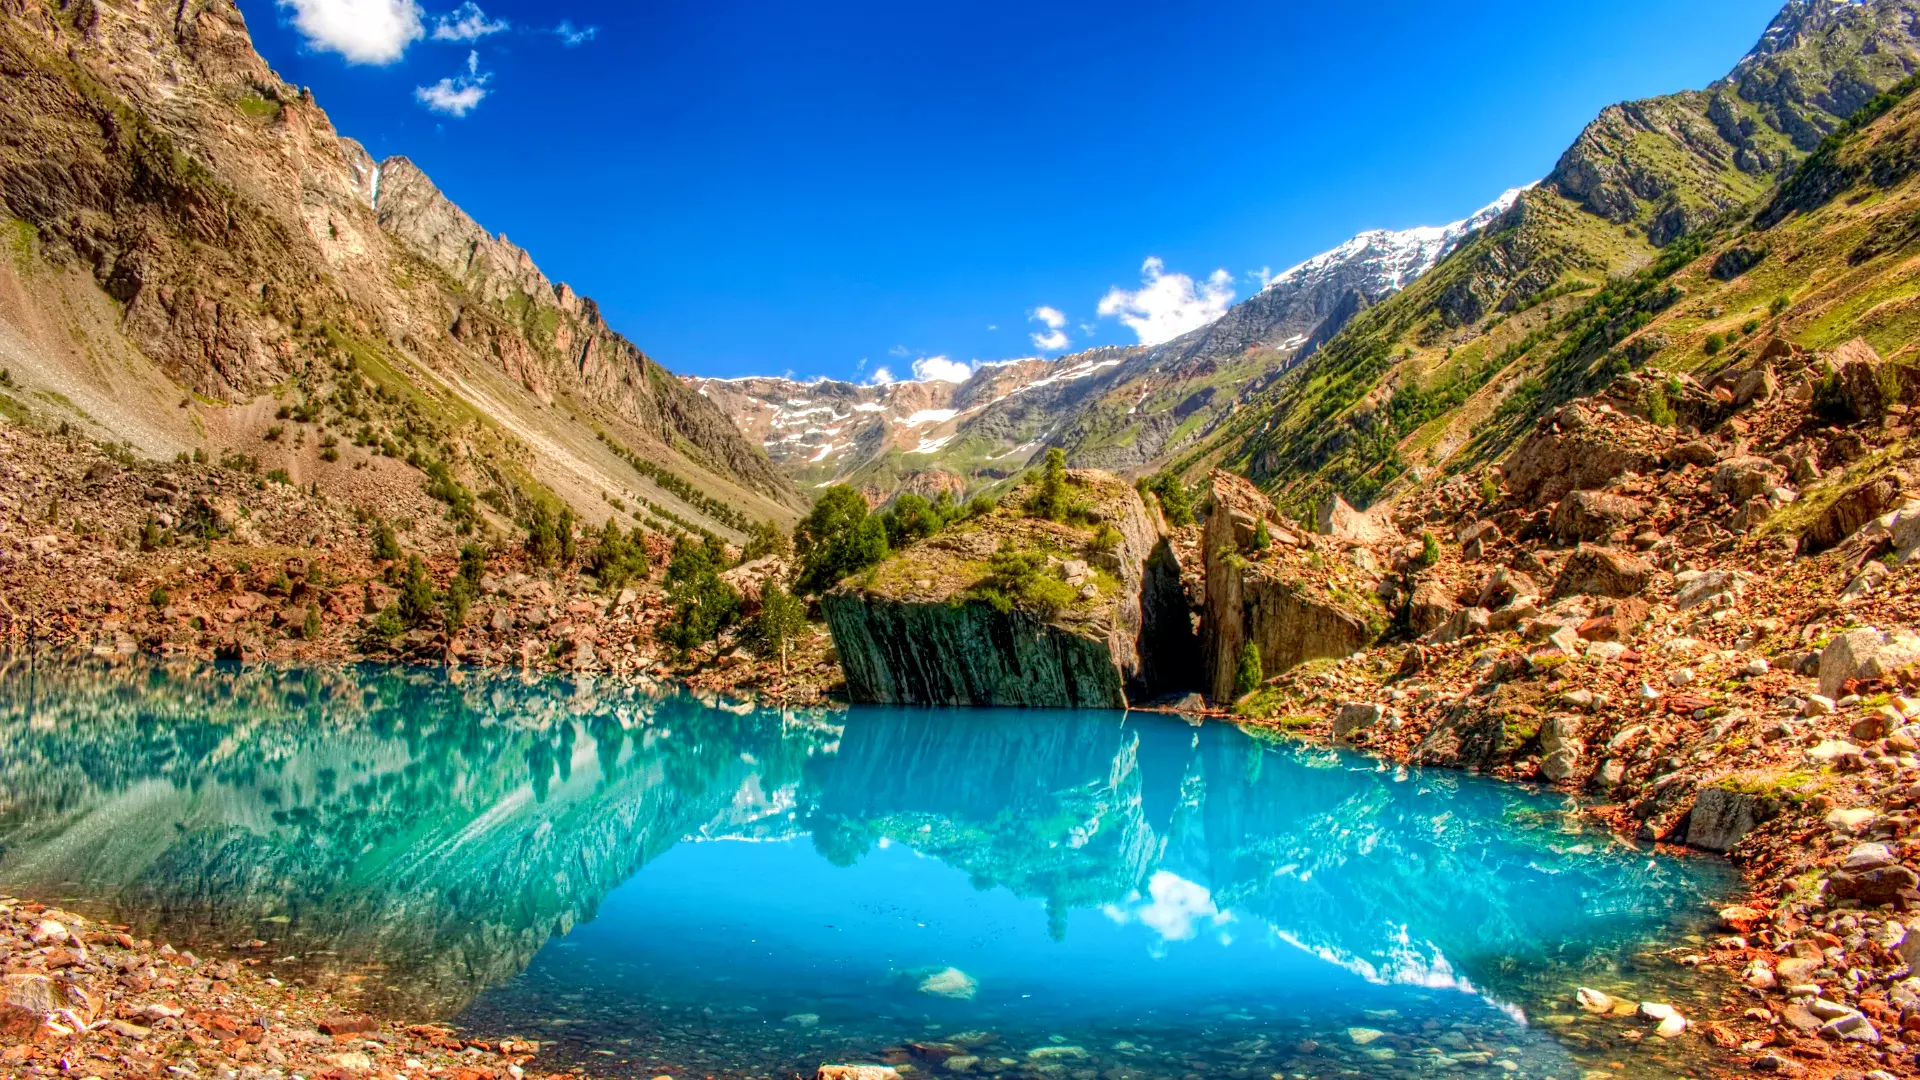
(941, 623)
(1277, 599)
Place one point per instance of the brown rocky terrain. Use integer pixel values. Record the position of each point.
(1705, 626)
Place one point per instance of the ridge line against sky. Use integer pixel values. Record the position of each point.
(865, 192)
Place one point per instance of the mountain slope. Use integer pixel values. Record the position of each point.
(1518, 316)
(1117, 407)
(200, 262)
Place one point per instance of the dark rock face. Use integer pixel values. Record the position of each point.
(967, 654)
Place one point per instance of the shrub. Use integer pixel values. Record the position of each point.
(1660, 407)
(384, 628)
(1247, 673)
(1106, 539)
(1714, 343)
(618, 557)
(765, 538)
(160, 597)
(1262, 537)
(1780, 303)
(1489, 488)
(1429, 549)
(1021, 579)
(543, 536)
(310, 626)
(473, 563)
(385, 544)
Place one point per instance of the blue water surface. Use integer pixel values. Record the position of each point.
(651, 882)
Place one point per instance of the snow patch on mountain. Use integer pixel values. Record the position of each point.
(1397, 259)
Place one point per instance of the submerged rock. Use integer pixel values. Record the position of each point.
(950, 983)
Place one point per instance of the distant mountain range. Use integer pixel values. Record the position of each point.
(1296, 385)
(1116, 407)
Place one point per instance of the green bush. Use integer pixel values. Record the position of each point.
(160, 597)
(1714, 343)
(1429, 549)
(310, 626)
(543, 536)
(618, 557)
(1247, 673)
(1022, 580)
(1051, 498)
(1262, 537)
(385, 544)
(1106, 539)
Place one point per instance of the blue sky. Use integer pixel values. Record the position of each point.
(834, 188)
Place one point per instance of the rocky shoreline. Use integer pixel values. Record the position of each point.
(86, 999)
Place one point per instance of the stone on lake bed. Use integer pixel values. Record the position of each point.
(805, 1020)
(1361, 1036)
(950, 983)
(1057, 1053)
(857, 1072)
(1654, 1010)
(1671, 1027)
(1593, 1000)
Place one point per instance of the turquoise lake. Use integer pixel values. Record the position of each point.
(652, 882)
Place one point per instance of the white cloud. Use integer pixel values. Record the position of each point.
(1054, 337)
(363, 31)
(900, 351)
(571, 35)
(1175, 907)
(941, 369)
(467, 23)
(456, 95)
(1264, 276)
(1168, 305)
(881, 377)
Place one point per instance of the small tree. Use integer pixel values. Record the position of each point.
(1050, 499)
(543, 538)
(416, 603)
(1429, 549)
(310, 626)
(1262, 538)
(1247, 674)
(782, 618)
(703, 605)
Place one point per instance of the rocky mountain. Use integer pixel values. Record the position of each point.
(1452, 369)
(201, 263)
(1116, 407)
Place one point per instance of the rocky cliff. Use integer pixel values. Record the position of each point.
(1009, 609)
(189, 234)
(1297, 598)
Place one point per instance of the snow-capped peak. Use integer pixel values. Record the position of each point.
(1399, 257)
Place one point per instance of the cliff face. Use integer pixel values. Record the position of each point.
(935, 626)
(172, 204)
(1291, 600)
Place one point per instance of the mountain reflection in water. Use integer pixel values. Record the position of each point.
(429, 835)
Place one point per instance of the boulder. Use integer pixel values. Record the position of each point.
(1430, 606)
(1355, 717)
(1569, 450)
(1743, 478)
(1711, 589)
(1850, 512)
(25, 999)
(1338, 519)
(1755, 384)
(1506, 586)
(1599, 571)
(1722, 817)
(1856, 389)
(1593, 515)
(1866, 655)
(1465, 623)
